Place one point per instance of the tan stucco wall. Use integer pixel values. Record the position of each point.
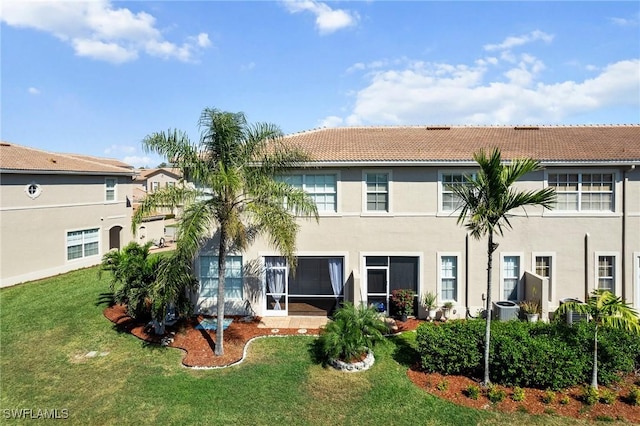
(415, 227)
(33, 231)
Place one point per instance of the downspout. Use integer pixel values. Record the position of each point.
(586, 266)
(466, 276)
(624, 229)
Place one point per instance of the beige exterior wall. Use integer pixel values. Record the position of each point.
(417, 227)
(34, 230)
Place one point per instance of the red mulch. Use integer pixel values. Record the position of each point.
(199, 348)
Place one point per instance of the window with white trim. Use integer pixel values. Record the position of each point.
(448, 278)
(510, 277)
(83, 243)
(110, 188)
(377, 192)
(321, 188)
(582, 192)
(155, 186)
(450, 201)
(233, 287)
(606, 273)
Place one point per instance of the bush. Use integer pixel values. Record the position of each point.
(634, 396)
(608, 397)
(472, 391)
(352, 331)
(564, 400)
(518, 394)
(549, 397)
(443, 386)
(496, 394)
(590, 395)
(451, 348)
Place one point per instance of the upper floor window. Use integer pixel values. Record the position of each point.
(321, 188)
(110, 186)
(377, 192)
(450, 201)
(583, 191)
(83, 243)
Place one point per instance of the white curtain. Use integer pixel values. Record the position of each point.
(276, 270)
(335, 274)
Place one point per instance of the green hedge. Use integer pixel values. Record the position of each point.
(525, 354)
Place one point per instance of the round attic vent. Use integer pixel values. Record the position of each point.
(33, 190)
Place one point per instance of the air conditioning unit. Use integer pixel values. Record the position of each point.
(572, 317)
(506, 310)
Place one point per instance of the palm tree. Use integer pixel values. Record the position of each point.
(605, 310)
(237, 193)
(486, 200)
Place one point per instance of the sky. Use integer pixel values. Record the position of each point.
(96, 77)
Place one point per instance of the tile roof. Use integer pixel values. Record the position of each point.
(144, 174)
(17, 158)
(610, 143)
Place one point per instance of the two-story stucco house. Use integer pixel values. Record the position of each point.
(59, 212)
(388, 221)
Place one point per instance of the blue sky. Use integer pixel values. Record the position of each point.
(96, 77)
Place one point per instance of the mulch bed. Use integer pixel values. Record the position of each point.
(199, 346)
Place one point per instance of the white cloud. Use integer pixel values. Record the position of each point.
(99, 30)
(515, 41)
(33, 91)
(327, 20)
(139, 161)
(120, 149)
(248, 67)
(625, 22)
(331, 121)
(420, 93)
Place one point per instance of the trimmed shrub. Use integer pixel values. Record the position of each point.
(608, 397)
(473, 391)
(496, 394)
(549, 397)
(454, 347)
(590, 395)
(634, 396)
(518, 394)
(443, 386)
(564, 399)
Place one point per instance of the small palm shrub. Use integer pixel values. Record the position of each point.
(353, 331)
(472, 391)
(548, 397)
(590, 395)
(518, 394)
(607, 396)
(443, 386)
(564, 399)
(496, 394)
(634, 396)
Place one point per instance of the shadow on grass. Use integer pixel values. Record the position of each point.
(316, 353)
(106, 299)
(405, 352)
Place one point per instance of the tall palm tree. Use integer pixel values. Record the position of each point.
(485, 202)
(605, 310)
(237, 194)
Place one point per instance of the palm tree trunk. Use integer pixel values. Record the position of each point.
(222, 262)
(487, 332)
(594, 375)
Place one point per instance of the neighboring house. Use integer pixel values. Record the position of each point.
(388, 221)
(59, 212)
(154, 227)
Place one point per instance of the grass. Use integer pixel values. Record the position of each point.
(46, 328)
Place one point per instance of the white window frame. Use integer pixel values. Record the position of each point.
(108, 189)
(230, 257)
(503, 277)
(83, 244)
(616, 287)
(580, 192)
(365, 211)
(336, 193)
(440, 276)
(442, 192)
(552, 276)
(155, 186)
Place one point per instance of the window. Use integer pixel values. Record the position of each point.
(377, 192)
(606, 273)
(543, 268)
(450, 201)
(110, 184)
(449, 278)
(155, 186)
(510, 277)
(33, 190)
(232, 277)
(82, 243)
(385, 274)
(583, 191)
(321, 188)
(171, 184)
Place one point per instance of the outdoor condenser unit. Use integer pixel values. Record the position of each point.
(571, 316)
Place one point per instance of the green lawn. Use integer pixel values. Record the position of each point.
(47, 327)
